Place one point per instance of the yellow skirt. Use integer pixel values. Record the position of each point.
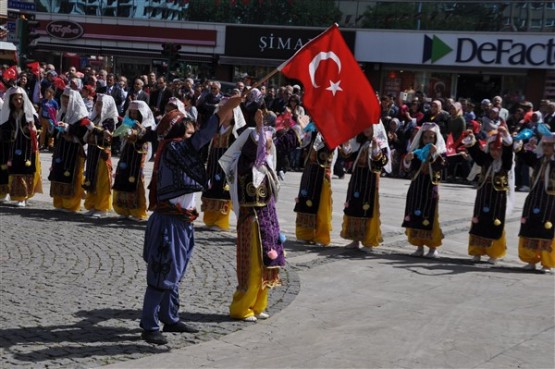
(433, 238)
(73, 203)
(321, 233)
(533, 251)
(478, 246)
(254, 299)
(101, 199)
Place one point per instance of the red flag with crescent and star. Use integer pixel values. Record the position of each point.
(338, 96)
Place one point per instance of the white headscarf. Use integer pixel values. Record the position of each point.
(539, 154)
(109, 108)
(75, 110)
(441, 148)
(383, 143)
(229, 160)
(179, 104)
(28, 108)
(545, 138)
(146, 113)
(238, 117)
(255, 95)
(496, 166)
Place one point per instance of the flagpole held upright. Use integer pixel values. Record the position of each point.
(261, 81)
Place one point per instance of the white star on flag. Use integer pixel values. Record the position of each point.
(334, 87)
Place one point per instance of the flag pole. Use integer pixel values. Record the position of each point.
(261, 81)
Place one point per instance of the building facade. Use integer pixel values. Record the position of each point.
(503, 48)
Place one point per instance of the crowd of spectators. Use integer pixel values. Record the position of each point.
(403, 119)
(282, 105)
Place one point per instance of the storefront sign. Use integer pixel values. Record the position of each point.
(22, 5)
(271, 43)
(506, 51)
(530, 50)
(64, 30)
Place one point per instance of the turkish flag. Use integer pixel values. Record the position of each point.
(338, 97)
(10, 73)
(34, 67)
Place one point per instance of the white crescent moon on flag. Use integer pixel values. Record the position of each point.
(313, 66)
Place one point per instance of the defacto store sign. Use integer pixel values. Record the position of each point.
(465, 50)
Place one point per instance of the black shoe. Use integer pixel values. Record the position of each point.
(154, 337)
(180, 327)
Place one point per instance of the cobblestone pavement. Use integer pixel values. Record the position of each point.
(71, 289)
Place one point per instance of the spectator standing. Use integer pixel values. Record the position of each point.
(190, 108)
(114, 89)
(497, 102)
(438, 116)
(136, 93)
(549, 117)
(47, 113)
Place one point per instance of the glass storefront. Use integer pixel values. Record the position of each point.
(441, 84)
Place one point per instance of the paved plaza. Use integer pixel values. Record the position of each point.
(72, 287)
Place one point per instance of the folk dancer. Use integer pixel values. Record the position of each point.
(424, 161)
(129, 189)
(20, 170)
(361, 219)
(178, 174)
(313, 204)
(249, 165)
(216, 201)
(536, 243)
(66, 175)
(98, 165)
(494, 196)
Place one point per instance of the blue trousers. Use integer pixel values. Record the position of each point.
(160, 305)
(169, 244)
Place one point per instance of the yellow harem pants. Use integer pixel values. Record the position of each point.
(36, 186)
(73, 203)
(534, 251)
(415, 236)
(321, 233)
(495, 249)
(366, 230)
(254, 299)
(138, 197)
(217, 217)
(101, 199)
